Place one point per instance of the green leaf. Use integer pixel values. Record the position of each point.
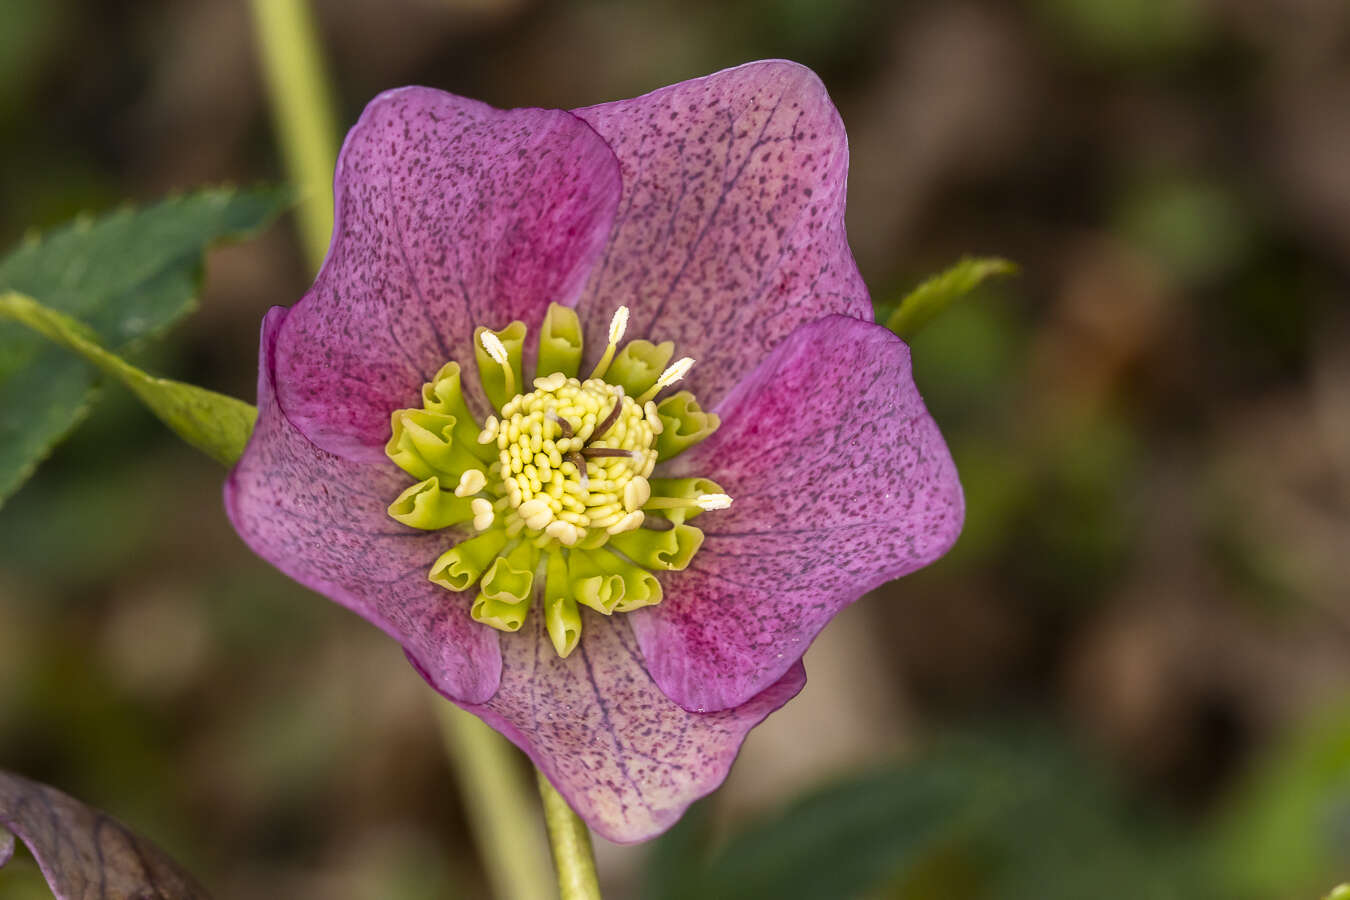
(920, 305)
(215, 424)
(1003, 815)
(834, 843)
(126, 276)
(1287, 830)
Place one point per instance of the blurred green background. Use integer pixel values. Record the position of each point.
(1131, 678)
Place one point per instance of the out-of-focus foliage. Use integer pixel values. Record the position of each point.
(125, 276)
(1011, 813)
(1288, 830)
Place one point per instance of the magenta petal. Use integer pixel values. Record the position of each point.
(627, 759)
(730, 232)
(449, 215)
(841, 482)
(322, 520)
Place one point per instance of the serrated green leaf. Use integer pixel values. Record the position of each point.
(920, 305)
(215, 424)
(126, 276)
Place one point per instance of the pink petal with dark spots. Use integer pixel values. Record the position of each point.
(449, 214)
(841, 482)
(627, 759)
(322, 520)
(730, 232)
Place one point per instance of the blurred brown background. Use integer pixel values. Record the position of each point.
(1152, 424)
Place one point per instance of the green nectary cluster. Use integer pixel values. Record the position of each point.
(556, 488)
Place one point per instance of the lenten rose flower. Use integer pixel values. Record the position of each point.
(685, 448)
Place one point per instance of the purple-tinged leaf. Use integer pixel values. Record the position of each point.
(84, 853)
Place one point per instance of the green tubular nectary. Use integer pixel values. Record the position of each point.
(552, 498)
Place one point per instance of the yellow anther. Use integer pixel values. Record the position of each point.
(713, 501)
(653, 418)
(617, 326)
(482, 513)
(471, 482)
(565, 533)
(636, 492)
(627, 523)
(495, 349)
(673, 373)
(551, 382)
(489, 432)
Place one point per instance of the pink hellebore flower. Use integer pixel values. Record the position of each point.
(709, 214)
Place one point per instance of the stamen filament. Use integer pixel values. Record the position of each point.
(497, 350)
(703, 501)
(673, 373)
(617, 326)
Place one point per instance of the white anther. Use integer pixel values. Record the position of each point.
(636, 492)
(494, 347)
(489, 432)
(471, 482)
(565, 532)
(674, 372)
(618, 325)
(551, 383)
(627, 523)
(482, 514)
(713, 501)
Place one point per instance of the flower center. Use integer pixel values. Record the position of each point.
(574, 456)
(556, 488)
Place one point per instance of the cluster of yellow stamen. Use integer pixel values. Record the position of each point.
(573, 455)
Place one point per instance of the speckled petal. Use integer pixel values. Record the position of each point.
(841, 482)
(730, 231)
(627, 759)
(321, 519)
(449, 214)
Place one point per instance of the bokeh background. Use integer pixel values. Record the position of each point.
(1135, 663)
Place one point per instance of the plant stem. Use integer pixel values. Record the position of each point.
(498, 804)
(302, 112)
(572, 855)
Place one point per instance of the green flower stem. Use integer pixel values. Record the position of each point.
(302, 112)
(572, 855)
(499, 806)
